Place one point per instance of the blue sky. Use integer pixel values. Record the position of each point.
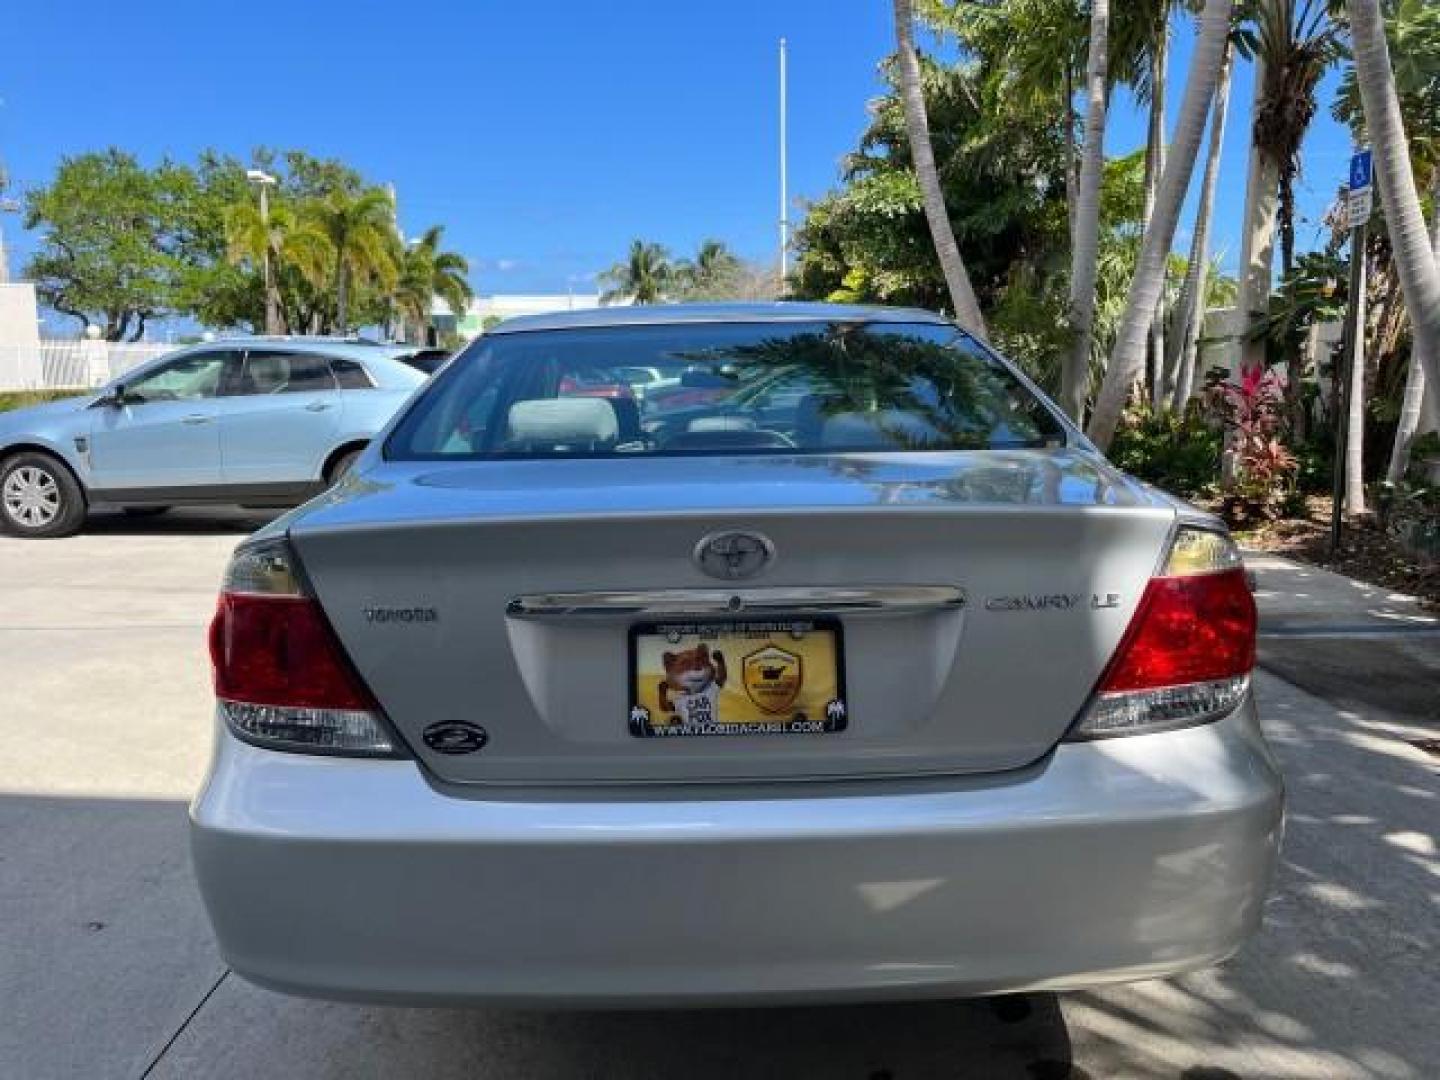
(543, 136)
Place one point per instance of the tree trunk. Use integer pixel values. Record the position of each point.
(1129, 354)
(1192, 301)
(1158, 76)
(1085, 243)
(1257, 236)
(1355, 390)
(1285, 217)
(273, 323)
(342, 295)
(1414, 261)
(917, 127)
(1415, 385)
(1072, 182)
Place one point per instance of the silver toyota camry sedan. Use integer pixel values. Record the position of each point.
(843, 669)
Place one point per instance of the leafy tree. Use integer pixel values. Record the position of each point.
(1292, 43)
(1298, 44)
(1412, 28)
(363, 241)
(108, 253)
(1003, 174)
(295, 247)
(427, 271)
(922, 156)
(1128, 357)
(708, 276)
(644, 277)
(1190, 315)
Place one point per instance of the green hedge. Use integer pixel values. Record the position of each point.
(18, 399)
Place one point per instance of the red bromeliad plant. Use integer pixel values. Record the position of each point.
(1253, 412)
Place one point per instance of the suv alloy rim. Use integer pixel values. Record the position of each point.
(31, 497)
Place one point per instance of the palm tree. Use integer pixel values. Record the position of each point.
(1293, 43)
(1157, 46)
(643, 278)
(1299, 43)
(426, 272)
(362, 236)
(1418, 392)
(713, 259)
(709, 274)
(1413, 28)
(1192, 298)
(285, 240)
(1085, 238)
(1128, 357)
(1414, 260)
(1028, 41)
(922, 154)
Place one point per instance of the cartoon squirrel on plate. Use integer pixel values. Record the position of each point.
(692, 683)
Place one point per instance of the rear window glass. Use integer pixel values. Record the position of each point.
(349, 374)
(285, 373)
(724, 388)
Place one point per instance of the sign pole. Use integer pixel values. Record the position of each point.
(1352, 349)
(1359, 203)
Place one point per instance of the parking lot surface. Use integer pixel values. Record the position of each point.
(107, 967)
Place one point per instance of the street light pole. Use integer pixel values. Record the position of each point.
(264, 181)
(784, 169)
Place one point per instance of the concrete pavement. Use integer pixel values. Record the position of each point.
(107, 968)
(1356, 645)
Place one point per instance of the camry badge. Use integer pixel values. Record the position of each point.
(734, 555)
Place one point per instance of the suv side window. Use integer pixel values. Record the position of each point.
(279, 372)
(350, 374)
(189, 378)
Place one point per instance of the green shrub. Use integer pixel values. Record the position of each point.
(1410, 514)
(1317, 466)
(19, 399)
(1178, 453)
(1425, 446)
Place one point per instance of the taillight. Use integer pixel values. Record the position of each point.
(1187, 655)
(281, 677)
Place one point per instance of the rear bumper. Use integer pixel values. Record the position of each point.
(1115, 860)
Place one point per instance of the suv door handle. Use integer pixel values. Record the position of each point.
(197, 418)
(317, 406)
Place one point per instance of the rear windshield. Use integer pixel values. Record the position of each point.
(722, 388)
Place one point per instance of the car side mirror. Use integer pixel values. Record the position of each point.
(113, 398)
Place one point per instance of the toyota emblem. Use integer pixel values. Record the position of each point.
(731, 556)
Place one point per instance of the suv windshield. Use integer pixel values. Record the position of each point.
(723, 388)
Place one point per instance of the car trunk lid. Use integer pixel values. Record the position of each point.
(979, 596)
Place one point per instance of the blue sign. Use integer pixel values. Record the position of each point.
(1361, 173)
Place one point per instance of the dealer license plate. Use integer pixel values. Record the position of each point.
(740, 677)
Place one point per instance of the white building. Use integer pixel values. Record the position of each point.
(487, 310)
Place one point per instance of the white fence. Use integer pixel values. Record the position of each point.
(71, 365)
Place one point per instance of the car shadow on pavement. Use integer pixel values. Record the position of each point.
(1341, 979)
(1024, 1038)
(182, 521)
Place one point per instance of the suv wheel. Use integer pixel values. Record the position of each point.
(39, 497)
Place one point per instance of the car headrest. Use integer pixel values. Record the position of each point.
(560, 421)
(885, 429)
(721, 423)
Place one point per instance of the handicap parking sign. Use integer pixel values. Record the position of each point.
(1360, 170)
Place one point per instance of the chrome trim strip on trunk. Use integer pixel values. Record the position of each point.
(801, 600)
